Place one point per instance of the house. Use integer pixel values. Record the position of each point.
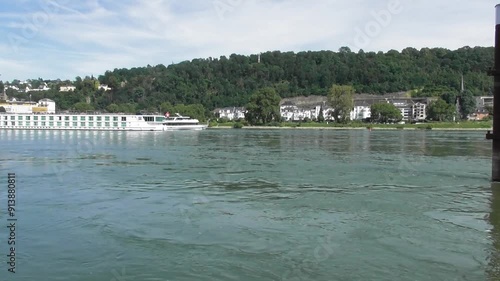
(412, 109)
(362, 109)
(484, 102)
(419, 111)
(231, 113)
(41, 88)
(67, 88)
(291, 112)
(478, 116)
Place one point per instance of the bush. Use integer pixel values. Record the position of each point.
(274, 124)
(237, 125)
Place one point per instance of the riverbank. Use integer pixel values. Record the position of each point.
(442, 126)
(348, 128)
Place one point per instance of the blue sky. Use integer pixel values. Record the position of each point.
(63, 38)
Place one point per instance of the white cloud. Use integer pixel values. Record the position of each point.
(102, 35)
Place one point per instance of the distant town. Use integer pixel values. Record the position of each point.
(296, 109)
(309, 108)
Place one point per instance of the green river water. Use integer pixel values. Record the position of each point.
(251, 205)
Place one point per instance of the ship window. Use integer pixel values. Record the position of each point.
(66, 124)
(66, 118)
(149, 119)
(91, 124)
(35, 123)
(99, 118)
(35, 117)
(59, 124)
(124, 124)
(27, 123)
(5, 123)
(99, 124)
(59, 118)
(13, 118)
(82, 124)
(20, 117)
(124, 118)
(82, 118)
(28, 117)
(43, 123)
(43, 118)
(160, 119)
(75, 118)
(106, 124)
(106, 118)
(115, 118)
(91, 118)
(51, 118)
(20, 123)
(13, 123)
(51, 124)
(115, 124)
(75, 124)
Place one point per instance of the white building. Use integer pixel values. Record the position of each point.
(483, 102)
(419, 111)
(362, 110)
(26, 107)
(231, 113)
(47, 104)
(67, 88)
(43, 87)
(290, 112)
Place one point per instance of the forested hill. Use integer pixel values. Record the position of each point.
(219, 82)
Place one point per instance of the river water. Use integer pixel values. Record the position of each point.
(251, 205)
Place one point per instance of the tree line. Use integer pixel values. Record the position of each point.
(231, 81)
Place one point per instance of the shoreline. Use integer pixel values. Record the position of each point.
(349, 128)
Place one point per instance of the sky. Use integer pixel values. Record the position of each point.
(62, 39)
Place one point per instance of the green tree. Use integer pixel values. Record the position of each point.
(467, 104)
(128, 108)
(113, 108)
(321, 117)
(489, 109)
(193, 110)
(2, 87)
(2, 109)
(82, 107)
(263, 107)
(341, 99)
(449, 97)
(167, 107)
(440, 110)
(385, 112)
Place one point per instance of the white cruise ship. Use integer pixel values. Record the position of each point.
(96, 122)
(42, 116)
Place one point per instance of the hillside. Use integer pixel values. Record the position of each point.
(229, 81)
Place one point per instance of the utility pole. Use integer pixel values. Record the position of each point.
(495, 72)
